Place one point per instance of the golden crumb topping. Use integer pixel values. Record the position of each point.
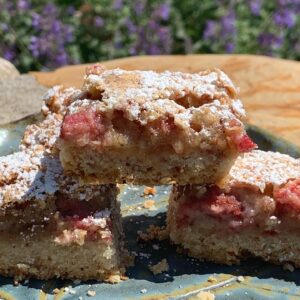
(260, 169)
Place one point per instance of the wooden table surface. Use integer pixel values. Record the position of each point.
(269, 88)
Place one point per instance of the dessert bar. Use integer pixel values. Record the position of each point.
(151, 128)
(254, 211)
(52, 225)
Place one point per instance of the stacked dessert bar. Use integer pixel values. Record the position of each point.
(51, 224)
(150, 128)
(59, 216)
(254, 211)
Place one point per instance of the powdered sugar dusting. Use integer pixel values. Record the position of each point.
(35, 173)
(259, 168)
(137, 91)
(58, 98)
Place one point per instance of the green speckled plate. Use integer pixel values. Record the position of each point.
(186, 276)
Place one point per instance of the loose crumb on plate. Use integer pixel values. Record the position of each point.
(154, 233)
(149, 204)
(160, 267)
(212, 279)
(91, 293)
(149, 191)
(288, 267)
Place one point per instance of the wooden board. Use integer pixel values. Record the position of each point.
(269, 88)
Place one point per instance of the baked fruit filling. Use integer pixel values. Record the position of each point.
(242, 207)
(101, 130)
(69, 221)
(78, 222)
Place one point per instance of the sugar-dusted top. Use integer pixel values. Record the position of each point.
(29, 175)
(260, 169)
(173, 92)
(57, 99)
(42, 135)
(150, 85)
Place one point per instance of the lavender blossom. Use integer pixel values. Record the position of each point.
(98, 21)
(117, 4)
(255, 7)
(9, 55)
(210, 29)
(23, 5)
(228, 24)
(139, 7)
(285, 18)
(229, 47)
(163, 11)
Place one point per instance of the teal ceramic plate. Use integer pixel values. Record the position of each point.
(186, 276)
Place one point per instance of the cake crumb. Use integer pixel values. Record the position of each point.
(149, 204)
(203, 296)
(91, 293)
(114, 278)
(155, 247)
(288, 267)
(240, 279)
(212, 279)
(149, 191)
(160, 267)
(154, 232)
(77, 281)
(16, 282)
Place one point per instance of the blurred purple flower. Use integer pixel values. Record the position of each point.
(163, 11)
(23, 5)
(34, 46)
(50, 9)
(255, 6)
(285, 18)
(68, 33)
(61, 58)
(117, 4)
(56, 27)
(210, 29)
(288, 2)
(9, 54)
(130, 26)
(35, 20)
(229, 47)
(139, 7)
(228, 24)
(70, 10)
(270, 41)
(98, 21)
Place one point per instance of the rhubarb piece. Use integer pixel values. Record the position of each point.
(253, 211)
(153, 128)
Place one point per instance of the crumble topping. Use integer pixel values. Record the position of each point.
(58, 98)
(260, 169)
(152, 85)
(31, 175)
(43, 135)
